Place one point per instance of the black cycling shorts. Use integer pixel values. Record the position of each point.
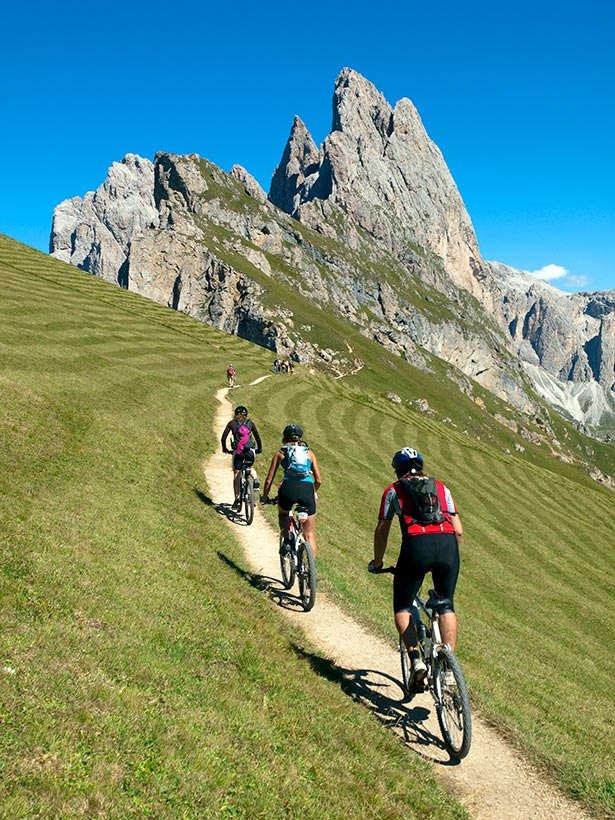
(437, 553)
(239, 458)
(297, 492)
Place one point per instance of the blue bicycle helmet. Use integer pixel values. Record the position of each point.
(407, 460)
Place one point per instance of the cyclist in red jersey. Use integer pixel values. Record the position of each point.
(425, 548)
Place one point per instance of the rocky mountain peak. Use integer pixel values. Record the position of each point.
(391, 249)
(380, 166)
(300, 159)
(94, 232)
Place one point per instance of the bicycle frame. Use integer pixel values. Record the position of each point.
(298, 560)
(445, 680)
(247, 491)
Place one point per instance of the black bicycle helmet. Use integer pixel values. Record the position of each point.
(291, 432)
(241, 410)
(407, 460)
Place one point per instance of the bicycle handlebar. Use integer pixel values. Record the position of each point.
(371, 568)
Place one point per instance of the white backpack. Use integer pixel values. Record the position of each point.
(298, 463)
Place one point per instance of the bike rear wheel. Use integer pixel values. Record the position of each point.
(306, 571)
(287, 565)
(452, 704)
(248, 499)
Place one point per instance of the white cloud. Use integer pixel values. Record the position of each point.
(549, 272)
(566, 280)
(578, 282)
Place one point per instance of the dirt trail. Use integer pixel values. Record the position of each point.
(492, 782)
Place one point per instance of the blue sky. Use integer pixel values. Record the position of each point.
(518, 96)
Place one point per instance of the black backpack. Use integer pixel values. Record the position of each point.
(424, 494)
(242, 437)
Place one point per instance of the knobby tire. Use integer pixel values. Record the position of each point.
(453, 706)
(287, 565)
(405, 665)
(306, 570)
(248, 499)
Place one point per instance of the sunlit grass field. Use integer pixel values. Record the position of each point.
(142, 675)
(537, 585)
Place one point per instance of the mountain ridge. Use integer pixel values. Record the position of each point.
(391, 247)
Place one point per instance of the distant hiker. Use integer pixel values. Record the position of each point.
(230, 375)
(431, 530)
(300, 483)
(246, 442)
(291, 366)
(276, 366)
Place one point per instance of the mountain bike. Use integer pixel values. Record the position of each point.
(297, 558)
(445, 680)
(247, 490)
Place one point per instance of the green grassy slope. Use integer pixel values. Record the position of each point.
(537, 582)
(140, 685)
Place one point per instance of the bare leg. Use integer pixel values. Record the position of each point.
(448, 629)
(405, 626)
(237, 483)
(283, 521)
(308, 531)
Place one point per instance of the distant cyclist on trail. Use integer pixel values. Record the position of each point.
(300, 483)
(431, 530)
(230, 375)
(246, 442)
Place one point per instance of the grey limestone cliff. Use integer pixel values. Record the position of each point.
(380, 166)
(369, 226)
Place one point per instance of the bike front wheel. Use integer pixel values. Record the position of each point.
(452, 704)
(405, 666)
(306, 570)
(248, 499)
(406, 669)
(287, 565)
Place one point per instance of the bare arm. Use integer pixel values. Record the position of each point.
(315, 471)
(227, 430)
(275, 462)
(381, 537)
(456, 522)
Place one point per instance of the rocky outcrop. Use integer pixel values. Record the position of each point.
(369, 226)
(379, 165)
(566, 341)
(94, 232)
(207, 220)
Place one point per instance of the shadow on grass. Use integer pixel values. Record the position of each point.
(272, 586)
(372, 689)
(234, 516)
(369, 686)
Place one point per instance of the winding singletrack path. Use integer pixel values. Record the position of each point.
(492, 782)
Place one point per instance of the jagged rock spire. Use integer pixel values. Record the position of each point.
(300, 159)
(381, 167)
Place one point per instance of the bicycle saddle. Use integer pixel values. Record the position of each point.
(439, 604)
